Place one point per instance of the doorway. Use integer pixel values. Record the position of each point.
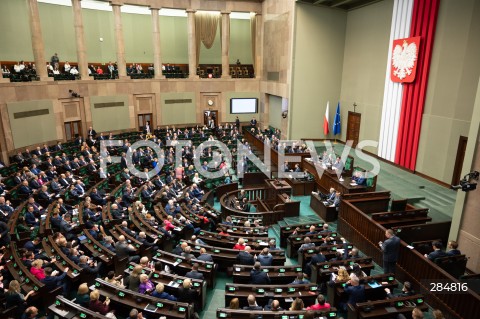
(210, 114)
(72, 130)
(457, 169)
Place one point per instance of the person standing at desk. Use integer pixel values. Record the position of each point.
(390, 251)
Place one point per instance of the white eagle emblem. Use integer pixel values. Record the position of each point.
(403, 59)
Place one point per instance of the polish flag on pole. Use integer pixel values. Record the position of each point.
(325, 120)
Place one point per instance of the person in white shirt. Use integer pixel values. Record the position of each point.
(56, 71)
(74, 71)
(16, 68)
(67, 67)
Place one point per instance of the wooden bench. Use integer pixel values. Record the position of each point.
(402, 218)
(284, 294)
(131, 299)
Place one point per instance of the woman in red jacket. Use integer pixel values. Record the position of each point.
(37, 269)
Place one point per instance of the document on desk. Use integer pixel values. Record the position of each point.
(151, 308)
(374, 284)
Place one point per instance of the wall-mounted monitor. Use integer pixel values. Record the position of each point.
(243, 105)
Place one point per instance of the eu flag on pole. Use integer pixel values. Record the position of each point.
(337, 123)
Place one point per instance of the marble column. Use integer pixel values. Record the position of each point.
(192, 51)
(259, 47)
(225, 44)
(37, 41)
(80, 38)
(120, 45)
(157, 57)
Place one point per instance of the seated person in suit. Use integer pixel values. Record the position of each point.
(437, 251)
(358, 178)
(160, 293)
(338, 165)
(316, 259)
(52, 280)
(355, 292)
(258, 276)
(311, 230)
(245, 257)
(336, 201)
(30, 218)
(252, 303)
(300, 279)
(204, 256)
(265, 258)
(25, 189)
(354, 254)
(97, 198)
(357, 273)
(194, 273)
(188, 294)
(453, 248)
(307, 244)
(407, 290)
(273, 305)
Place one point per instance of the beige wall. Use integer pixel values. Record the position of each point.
(278, 20)
(15, 45)
(178, 113)
(32, 128)
(364, 66)
(275, 103)
(112, 118)
(468, 235)
(59, 34)
(317, 69)
(453, 78)
(466, 218)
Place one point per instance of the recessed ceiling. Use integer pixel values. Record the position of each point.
(340, 4)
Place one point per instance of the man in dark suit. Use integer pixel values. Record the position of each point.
(45, 196)
(24, 189)
(124, 249)
(258, 276)
(97, 198)
(316, 259)
(63, 181)
(407, 291)
(437, 251)
(89, 267)
(142, 237)
(55, 185)
(52, 281)
(244, 257)
(194, 274)
(91, 132)
(390, 251)
(453, 249)
(204, 256)
(252, 304)
(355, 292)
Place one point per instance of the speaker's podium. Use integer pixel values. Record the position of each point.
(280, 186)
(281, 193)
